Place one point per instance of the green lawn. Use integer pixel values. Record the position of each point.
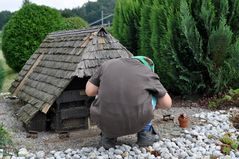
(10, 75)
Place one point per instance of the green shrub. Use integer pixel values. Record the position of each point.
(231, 98)
(194, 44)
(75, 23)
(234, 146)
(210, 136)
(226, 140)
(226, 150)
(5, 138)
(228, 144)
(25, 31)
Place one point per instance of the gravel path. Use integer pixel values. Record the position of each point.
(176, 142)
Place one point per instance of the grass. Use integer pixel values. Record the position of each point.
(5, 138)
(10, 75)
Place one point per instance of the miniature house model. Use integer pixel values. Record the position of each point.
(52, 82)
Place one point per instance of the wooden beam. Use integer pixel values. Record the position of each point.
(46, 107)
(28, 73)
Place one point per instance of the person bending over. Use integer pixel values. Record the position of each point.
(127, 91)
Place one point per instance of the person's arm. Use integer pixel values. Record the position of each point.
(90, 89)
(92, 86)
(164, 102)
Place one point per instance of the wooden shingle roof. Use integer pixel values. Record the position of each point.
(60, 57)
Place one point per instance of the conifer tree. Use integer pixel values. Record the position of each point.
(145, 30)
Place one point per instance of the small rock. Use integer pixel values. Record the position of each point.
(137, 151)
(189, 137)
(85, 149)
(52, 152)
(40, 154)
(105, 156)
(30, 155)
(156, 146)
(218, 147)
(165, 155)
(92, 155)
(68, 151)
(125, 154)
(132, 153)
(164, 150)
(111, 150)
(118, 157)
(101, 149)
(76, 156)
(216, 153)
(232, 155)
(73, 152)
(62, 155)
(202, 115)
(143, 150)
(183, 154)
(57, 154)
(122, 148)
(151, 157)
(237, 154)
(68, 156)
(118, 151)
(22, 152)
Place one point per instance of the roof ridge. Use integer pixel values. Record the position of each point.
(75, 31)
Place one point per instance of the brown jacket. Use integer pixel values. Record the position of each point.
(123, 105)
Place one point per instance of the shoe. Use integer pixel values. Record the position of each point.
(107, 142)
(146, 138)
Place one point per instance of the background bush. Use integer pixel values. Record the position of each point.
(91, 11)
(75, 23)
(2, 74)
(4, 17)
(25, 31)
(194, 44)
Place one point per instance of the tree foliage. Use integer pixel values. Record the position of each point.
(145, 30)
(75, 23)
(126, 23)
(194, 44)
(91, 11)
(25, 31)
(4, 17)
(26, 2)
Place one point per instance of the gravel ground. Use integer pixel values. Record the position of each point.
(48, 141)
(84, 143)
